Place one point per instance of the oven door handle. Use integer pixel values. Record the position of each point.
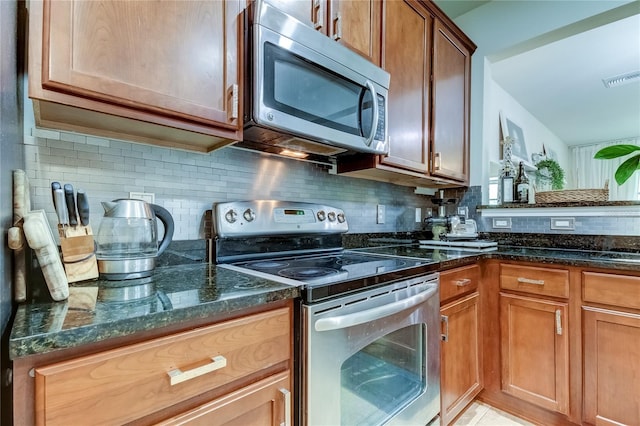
(344, 321)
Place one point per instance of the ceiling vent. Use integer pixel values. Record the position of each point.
(621, 79)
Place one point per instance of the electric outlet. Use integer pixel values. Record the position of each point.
(418, 215)
(380, 214)
(149, 197)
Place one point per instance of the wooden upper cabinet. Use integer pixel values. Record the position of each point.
(357, 25)
(429, 60)
(172, 63)
(407, 58)
(310, 12)
(450, 112)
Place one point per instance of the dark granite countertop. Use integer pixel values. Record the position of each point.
(174, 294)
(182, 293)
(448, 258)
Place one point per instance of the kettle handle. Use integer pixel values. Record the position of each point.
(167, 220)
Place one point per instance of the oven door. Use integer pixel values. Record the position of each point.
(373, 357)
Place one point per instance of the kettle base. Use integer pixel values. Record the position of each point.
(126, 269)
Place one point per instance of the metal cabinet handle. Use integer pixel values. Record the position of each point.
(178, 376)
(463, 282)
(316, 12)
(337, 27)
(558, 322)
(286, 395)
(436, 161)
(530, 281)
(445, 320)
(232, 94)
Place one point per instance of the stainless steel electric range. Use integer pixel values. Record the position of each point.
(369, 324)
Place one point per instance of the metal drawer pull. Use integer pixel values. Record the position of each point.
(178, 376)
(445, 320)
(337, 27)
(463, 282)
(558, 322)
(530, 281)
(286, 395)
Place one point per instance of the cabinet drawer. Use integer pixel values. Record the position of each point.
(611, 289)
(530, 279)
(127, 383)
(459, 281)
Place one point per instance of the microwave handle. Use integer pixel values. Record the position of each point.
(344, 321)
(374, 125)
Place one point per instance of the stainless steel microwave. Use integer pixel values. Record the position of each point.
(307, 93)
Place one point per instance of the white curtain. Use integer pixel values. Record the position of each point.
(589, 173)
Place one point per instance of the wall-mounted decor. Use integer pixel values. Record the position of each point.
(512, 130)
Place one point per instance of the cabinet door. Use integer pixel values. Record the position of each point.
(310, 12)
(450, 119)
(535, 351)
(358, 26)
(267, 402)
(611, 367)
(460, 374)
(173, 58)
(406, 57)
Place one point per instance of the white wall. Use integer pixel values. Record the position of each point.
(535, 133)
(498, 27)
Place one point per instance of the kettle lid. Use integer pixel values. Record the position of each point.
(128, 208)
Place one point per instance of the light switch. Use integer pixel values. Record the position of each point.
(380, 214)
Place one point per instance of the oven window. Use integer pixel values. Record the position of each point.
(308, 91)
(383, 377)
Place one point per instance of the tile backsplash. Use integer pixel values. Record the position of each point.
(188, 183)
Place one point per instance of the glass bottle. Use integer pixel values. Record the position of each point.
(521, 186)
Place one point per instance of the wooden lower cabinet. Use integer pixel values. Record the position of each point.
(535, 351)
(265, 403)
(226, 373)
(460, 361)
(611, 367)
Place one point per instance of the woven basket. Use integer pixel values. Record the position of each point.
(573, 195)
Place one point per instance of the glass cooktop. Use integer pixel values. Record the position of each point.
(334, 273)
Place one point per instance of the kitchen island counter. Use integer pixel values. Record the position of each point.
(175, 295)
(450, 257)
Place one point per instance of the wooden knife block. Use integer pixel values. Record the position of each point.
(78, 253)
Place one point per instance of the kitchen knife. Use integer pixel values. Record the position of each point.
(83, 207)
(54, 186)
(71, 204)
(61, 207)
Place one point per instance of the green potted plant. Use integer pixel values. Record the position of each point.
(550, 167)
(630, 165)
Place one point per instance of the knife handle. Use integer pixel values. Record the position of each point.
(61, 207)
(54, 186)
(71, 204)
(83, 207)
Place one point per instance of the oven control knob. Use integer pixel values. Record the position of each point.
(331, 216)
(249, 215)
(321, 215)
(231, 216)
(341, 218)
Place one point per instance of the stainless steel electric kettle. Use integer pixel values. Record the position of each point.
(127, 241)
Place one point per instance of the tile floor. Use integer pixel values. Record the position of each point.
(481, 414)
